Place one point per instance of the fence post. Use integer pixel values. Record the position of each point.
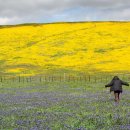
(95, 79)
(69, 78)
(123, 77)
(30, 78)
(80, 78)
(106, 78)
(52, 78)
(45, 78)
(23, 79)
(1, 79)
(40, 79)
(89, 78)
(19, 79)
(27, 79)
(85, 78)
(60, 78)
(64, 77)
(73, 78)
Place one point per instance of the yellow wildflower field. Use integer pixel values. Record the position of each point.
(88, 47)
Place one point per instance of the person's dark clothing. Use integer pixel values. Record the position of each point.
(116, 84)
(118, 91)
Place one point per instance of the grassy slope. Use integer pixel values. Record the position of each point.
(65, 47)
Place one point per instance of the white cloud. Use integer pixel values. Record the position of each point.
(4, 20)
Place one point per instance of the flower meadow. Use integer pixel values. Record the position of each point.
(53, 76)
(62, 106)
(33, 49)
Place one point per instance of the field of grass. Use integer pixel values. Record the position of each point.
(62, 106)
(96, 49)
(88, 47)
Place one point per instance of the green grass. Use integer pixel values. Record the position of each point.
(62, 106)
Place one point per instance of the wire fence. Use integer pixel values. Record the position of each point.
(63, 78)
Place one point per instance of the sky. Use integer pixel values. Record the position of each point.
(47, 11)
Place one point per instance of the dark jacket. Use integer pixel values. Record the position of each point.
(116, 84)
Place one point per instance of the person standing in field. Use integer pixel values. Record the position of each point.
(116, 86)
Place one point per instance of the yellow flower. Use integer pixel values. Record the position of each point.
(102, 46)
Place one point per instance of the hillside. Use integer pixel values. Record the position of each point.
(65, 47)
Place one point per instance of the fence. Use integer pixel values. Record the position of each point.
(63, 78)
